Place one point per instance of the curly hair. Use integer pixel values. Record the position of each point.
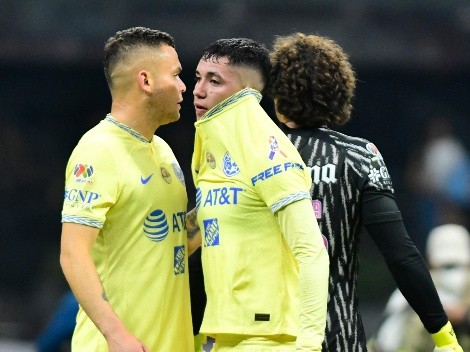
(118, 47)
(311, 81)
(241, 52)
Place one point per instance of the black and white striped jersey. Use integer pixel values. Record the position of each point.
(343, 168)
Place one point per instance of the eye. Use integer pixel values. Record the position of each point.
(214, 81)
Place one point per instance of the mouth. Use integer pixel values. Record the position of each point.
(200, 110)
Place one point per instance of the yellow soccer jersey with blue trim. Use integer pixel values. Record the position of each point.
(245, 169)
(134, 191)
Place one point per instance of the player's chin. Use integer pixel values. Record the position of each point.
(171, 118)
(176, 114)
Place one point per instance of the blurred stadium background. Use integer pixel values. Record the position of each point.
(412, 60)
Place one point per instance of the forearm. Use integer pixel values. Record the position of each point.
(81, 274)
(384, 224)
(194, 233)
(303, 236)
(410, 272)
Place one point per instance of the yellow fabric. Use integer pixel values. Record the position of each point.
(245, 169)
(199, 340)
(446, 340)
(134, 192)
(299, 226)
(234, 343)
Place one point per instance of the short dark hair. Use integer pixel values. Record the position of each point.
(123, 42)
(311, 80)
(241, 52)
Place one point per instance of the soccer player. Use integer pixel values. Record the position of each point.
(124, 243)
(313, 83)
(265, 264)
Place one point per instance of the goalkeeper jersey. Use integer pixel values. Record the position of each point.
(134, 192)
(245, 169)
(353, 190)
(343, 169)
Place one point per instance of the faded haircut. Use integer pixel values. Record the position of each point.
(241, 52)
(119, 46)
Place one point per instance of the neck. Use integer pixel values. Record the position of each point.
(291, 124)
(137, 119)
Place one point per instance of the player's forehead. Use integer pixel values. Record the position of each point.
(216, 66)
(167, 58)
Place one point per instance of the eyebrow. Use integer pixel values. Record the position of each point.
(210, 74)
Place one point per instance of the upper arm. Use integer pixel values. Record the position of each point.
(77, 238)
(300, 228)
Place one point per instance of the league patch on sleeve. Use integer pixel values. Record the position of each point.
(274, 148)
(83, 173)
(374, 150)
(378, 173)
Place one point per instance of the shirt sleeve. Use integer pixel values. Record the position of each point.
(91, 185)
(302, 234)
(277, 172)
(384, 223)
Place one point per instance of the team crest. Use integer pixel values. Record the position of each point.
(210, 159)
(178, 172)
(230, 167)
(166, 175)
(274, 146)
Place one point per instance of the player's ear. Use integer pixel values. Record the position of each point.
(143, 80)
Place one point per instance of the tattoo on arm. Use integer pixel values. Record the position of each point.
(103, 295)
(191, 223)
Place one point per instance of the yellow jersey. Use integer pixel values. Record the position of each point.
(134, 191)
(245, 169)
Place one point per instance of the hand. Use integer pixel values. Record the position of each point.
(445, 340)
(125, 342)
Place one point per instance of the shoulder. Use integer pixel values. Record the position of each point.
(159, 141)
(161, 145)
(343, 140)
(98, 146)
(100, 134)
(355, 147)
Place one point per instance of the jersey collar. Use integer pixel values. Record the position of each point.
(231, 100)
(129, 130)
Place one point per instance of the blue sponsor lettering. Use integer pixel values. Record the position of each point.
(178, 262)
(79, 196)
(289, 165)
(222, 196)
(179, 221)
(274, 170)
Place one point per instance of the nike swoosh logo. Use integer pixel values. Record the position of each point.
(145, 180)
